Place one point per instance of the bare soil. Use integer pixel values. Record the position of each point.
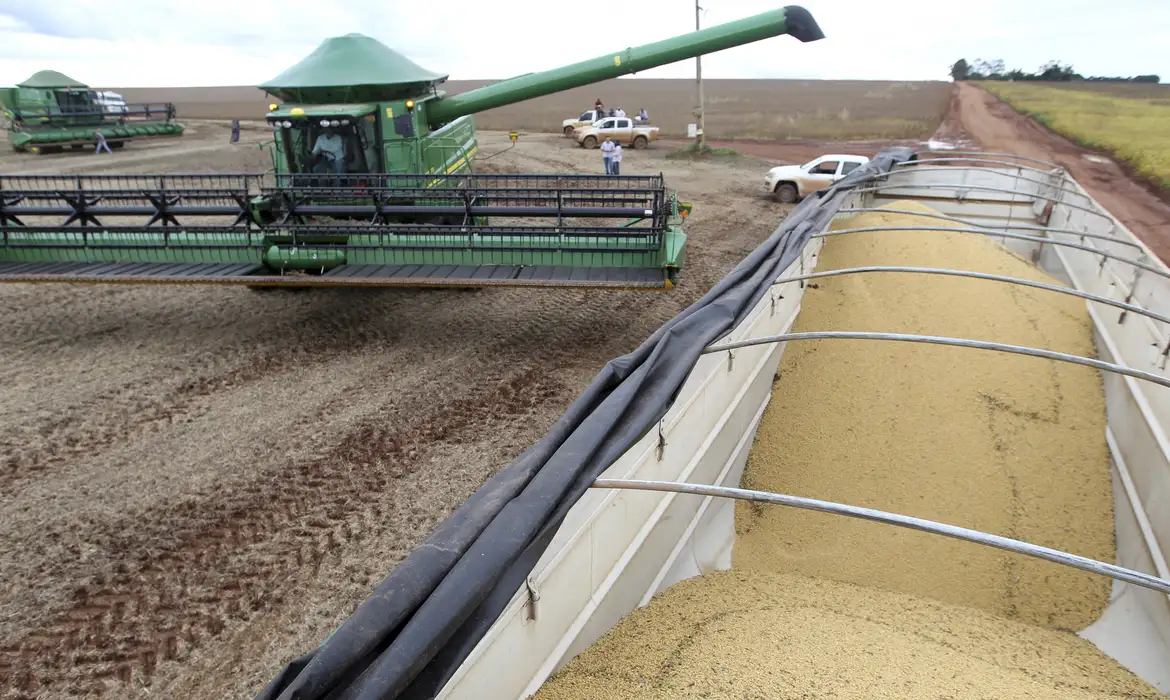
(736, 109)
(198, 484)
(997, 127)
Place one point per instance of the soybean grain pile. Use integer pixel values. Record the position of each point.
(823, 606)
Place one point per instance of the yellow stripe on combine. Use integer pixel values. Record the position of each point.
(455, 166)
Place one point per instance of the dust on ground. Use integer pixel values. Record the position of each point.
(198, 484)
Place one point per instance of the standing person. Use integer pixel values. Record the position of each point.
(615, 160)
(101, 142)
(607, 155)
(598, 106)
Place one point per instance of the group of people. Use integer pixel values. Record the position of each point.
(640, 118)
(611, 153)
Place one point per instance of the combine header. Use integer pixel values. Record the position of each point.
(50, 112)
(373, 185)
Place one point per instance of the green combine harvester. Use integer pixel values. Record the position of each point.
(373, 184)
(50, 112)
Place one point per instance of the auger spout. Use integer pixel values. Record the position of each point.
(792, 20)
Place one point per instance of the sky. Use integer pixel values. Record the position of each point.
(136, 43)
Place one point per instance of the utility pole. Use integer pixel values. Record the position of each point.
(701, 143)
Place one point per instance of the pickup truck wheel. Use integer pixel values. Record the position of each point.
(785, 193)
(639, 143)
(569, 130)
(589, 142)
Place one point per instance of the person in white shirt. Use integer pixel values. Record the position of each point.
(643, 117)
(615, 160)
(620, 112)
(329, 142)
(607, 147)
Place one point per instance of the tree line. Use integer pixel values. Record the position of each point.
(1053, 71)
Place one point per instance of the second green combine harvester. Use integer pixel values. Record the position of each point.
(50, 112)
(373, 185)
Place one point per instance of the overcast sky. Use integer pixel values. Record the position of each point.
(136, 43)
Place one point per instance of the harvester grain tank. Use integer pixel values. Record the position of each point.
(51, 111)
(373, 184)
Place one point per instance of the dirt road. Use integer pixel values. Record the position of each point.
(197, 484)
(997, 127)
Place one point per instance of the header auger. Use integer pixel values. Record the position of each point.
(373, 184)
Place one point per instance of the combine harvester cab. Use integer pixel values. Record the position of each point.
(50, 112)
(374, 184)
(631, 491)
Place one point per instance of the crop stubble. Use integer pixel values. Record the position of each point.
(199, 483)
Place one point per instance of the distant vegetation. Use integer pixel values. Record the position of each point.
(1053, 71)
(1135, 130)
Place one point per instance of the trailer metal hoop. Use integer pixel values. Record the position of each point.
(916, 164)
(976, 224)
(1002, 234)
(933, 527)
(980, 188)
(1017, 176)
(992, 153)
(942, 340)
(1125, 305)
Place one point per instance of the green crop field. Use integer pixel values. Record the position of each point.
(1130, 121)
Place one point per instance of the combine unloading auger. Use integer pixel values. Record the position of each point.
(397, 205)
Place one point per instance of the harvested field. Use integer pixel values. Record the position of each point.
(736, 109)
(824, 606)
(199, 484)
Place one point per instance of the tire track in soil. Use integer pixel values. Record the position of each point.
(121, 413)
(130, 413)
(210, 567)
(571, 316)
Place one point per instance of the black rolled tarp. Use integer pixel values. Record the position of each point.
(407, 639)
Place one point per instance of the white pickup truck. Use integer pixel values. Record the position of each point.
(620, 129)
(788, 183)
(586, 118)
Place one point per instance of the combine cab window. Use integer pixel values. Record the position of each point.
(331, 146)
